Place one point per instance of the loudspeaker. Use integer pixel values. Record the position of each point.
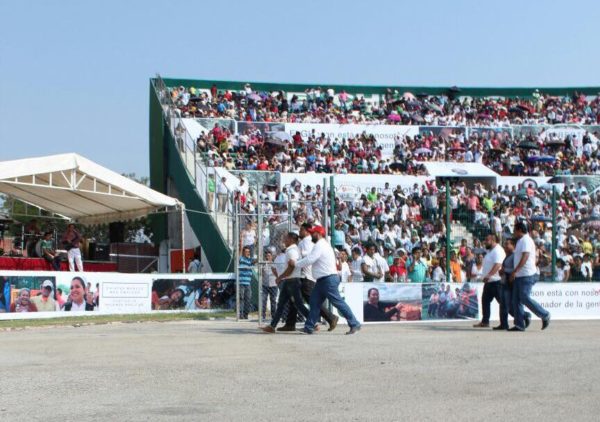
(116, 232)
(99, 252)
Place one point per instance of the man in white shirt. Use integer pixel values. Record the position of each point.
(289, 282)
(370, 266)
(523, 278)
(222, 194)
(356, 266)
(307, 285)
(492, 262)
(324, 269)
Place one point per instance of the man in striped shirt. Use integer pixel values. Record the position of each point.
(245, 275)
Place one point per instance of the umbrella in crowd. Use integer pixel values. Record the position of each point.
(593, 221)
(254, 97)
(434, 107)
(417, 118)
(541, 219)
(394, 117)
(541, 159)
(409, 96)
(420, 151)
(528, 145)
(456, 149)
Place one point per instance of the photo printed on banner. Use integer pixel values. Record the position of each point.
(450, 301)
(196, 294)
(391, 302)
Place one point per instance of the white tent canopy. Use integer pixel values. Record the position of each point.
(77, 188)
(451, 169)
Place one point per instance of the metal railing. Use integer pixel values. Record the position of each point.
(204, 177)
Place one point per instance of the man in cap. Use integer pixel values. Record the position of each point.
(44, 302)
(307, 285)
(324, 269)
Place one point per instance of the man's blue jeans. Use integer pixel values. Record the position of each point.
(327, 288)
(506, 304)
(521, 296)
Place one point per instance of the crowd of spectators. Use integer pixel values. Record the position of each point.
(397, 234)
(523, 154)
(325, 105)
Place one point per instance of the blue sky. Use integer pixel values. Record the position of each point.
(74, 74)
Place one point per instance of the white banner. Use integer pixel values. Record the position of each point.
(384, 134)
(350, 186)
(39, 294)
(562, 300)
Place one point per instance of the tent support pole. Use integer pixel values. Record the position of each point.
(183, 269)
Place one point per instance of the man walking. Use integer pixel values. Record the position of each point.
(492, 262)
(506, 306)
(523, 278)
(290, 281)
(324, 269)
(308, 284)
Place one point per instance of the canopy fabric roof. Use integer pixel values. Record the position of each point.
(75, 187)
(449, 169)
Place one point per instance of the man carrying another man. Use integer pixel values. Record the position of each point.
(324, 269)
(289, 281)
(308, 284)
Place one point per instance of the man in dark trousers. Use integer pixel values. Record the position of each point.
(492, 263)
(308, 283)
(324, 269)
(289, 282)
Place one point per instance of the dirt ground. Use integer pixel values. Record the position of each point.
(225, 371)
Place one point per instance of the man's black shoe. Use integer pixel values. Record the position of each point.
(353, 330)
(500, 327)
(545, 323)
(515, 329)
(527, 320)
(333, 324)
(287, 328)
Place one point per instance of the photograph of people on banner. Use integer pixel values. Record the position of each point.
(391, 302)
(196, 294)
(450, 301)
(33, 293)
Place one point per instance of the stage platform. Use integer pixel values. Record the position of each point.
(39, 264)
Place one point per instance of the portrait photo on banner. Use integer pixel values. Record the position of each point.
(391, 302)
(65, 292)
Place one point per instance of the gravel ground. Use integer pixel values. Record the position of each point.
(221, 371)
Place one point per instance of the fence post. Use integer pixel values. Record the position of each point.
(324, 216)
(331, 208)
(448, 232)
(235, 251)
(259, 255)
(554, 233)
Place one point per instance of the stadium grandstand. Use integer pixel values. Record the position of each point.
(392, 167)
